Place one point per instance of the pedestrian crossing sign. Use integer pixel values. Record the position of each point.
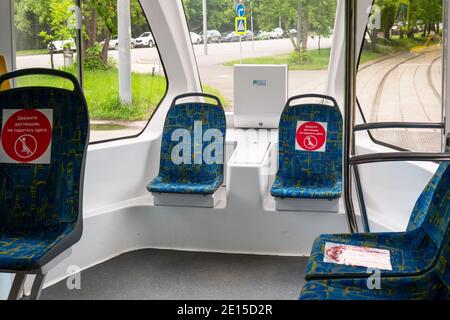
(241, 25)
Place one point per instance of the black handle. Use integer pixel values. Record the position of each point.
(197, 94)
(41, 71)
(312, 95)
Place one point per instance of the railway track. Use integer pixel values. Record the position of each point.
(416, 96)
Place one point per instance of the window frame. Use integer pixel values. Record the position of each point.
(80, 70)
(363, 117)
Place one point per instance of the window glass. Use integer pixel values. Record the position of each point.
(46, 37)
(271, 38)
(400, 73)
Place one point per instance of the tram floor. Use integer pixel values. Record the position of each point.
(175, 275)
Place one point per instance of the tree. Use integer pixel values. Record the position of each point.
(389, 10)
(430, 14)
(99, 18)
(54, 14)
(322, 17)
(221, 14)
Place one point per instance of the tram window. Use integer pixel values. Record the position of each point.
(403, 80)
(274, 24)
(45, 37)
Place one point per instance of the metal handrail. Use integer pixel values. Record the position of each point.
(349, 108)
(398, 125)
(399, 157)
(351, 161)
(361, 200)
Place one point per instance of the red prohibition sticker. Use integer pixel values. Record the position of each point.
(26, 136)
(311, 136)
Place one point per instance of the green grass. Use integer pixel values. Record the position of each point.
(31, 52)
(316, 60)
(101, 91)
(394, 46)
(226, 103)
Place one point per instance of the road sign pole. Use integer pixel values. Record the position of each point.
(251, 22)
(205, 26)
(240, 48)
(240, 25)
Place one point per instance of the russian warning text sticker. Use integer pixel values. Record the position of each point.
(311, 136)
(26, 136)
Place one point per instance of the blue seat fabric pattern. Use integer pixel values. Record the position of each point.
(39, 203)
(419, 255)
(202, 179)
(309, 175)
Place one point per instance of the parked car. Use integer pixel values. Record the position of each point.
(212, 36)
(262, 35)
(114, 43)
(290, 33)
(195, 38)
(145, 40)
(60, 45)
(395, 31)
(234, 37)
(230, 37)
(276, 33)
(248, 36)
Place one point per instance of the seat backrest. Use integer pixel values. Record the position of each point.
(192, 147)
(430, 221)
(423, 203)
(41, 172)
(305, 153)
(437, 219)
(443, 265)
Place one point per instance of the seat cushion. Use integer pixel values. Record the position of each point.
(423, 287)
(410, 254)
(288, 188)
(19, 252)
(192, 150)
(162, 185)
(308, 174)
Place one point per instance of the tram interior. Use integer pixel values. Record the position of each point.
(148, 151)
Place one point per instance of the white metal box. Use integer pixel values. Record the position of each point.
(260, 93)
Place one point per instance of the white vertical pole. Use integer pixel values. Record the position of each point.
(205, 26)
(240, 48)
(124, 34)
(251, 22)
(446, 75)
(79, 39)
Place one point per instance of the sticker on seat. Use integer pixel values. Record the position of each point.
(357, 256)
(26, 136)
(311, 136)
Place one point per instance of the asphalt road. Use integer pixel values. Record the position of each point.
(143, 59)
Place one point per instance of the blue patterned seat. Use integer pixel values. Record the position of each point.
(308, 174)
(418, 256)
(40, 204)
(197, 175)
(425, 287)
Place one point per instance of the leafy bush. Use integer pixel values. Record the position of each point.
(297, 58)
(93, 60)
